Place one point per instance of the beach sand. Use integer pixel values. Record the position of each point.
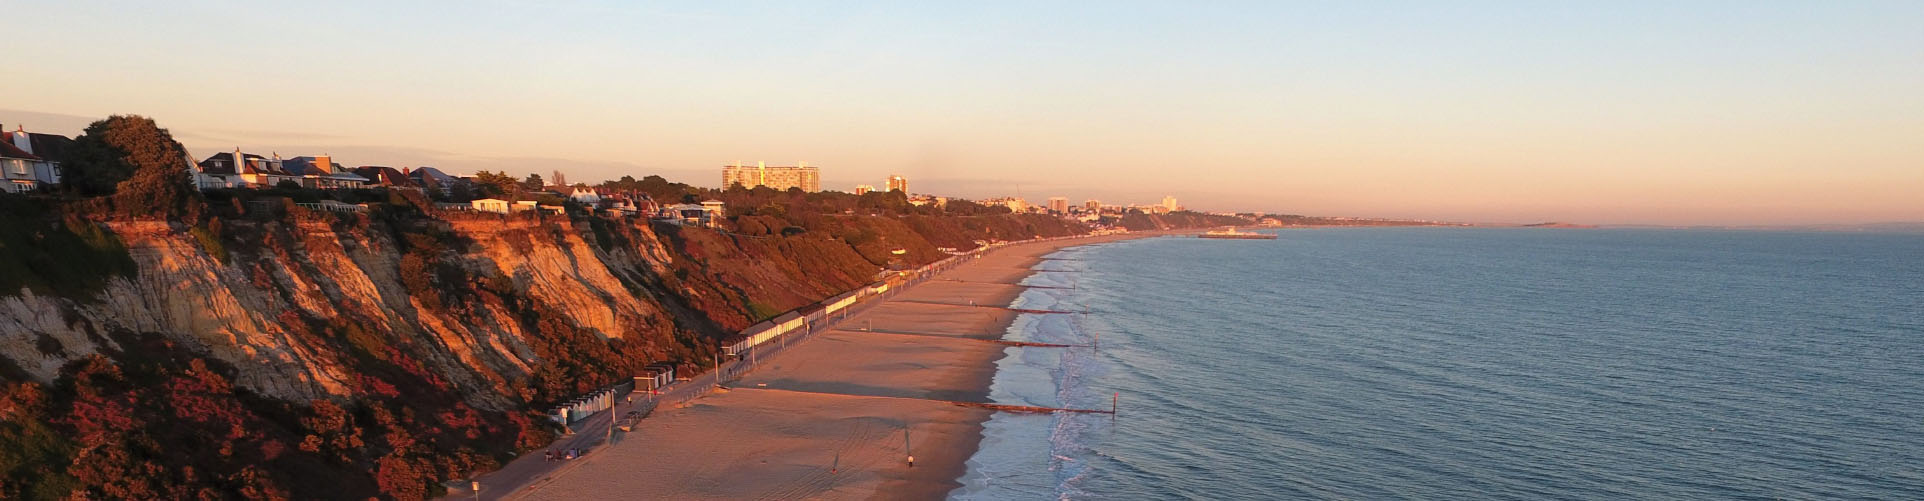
(825, 419)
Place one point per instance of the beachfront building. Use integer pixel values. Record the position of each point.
(898, 183)
(1059, 205)
(781, 178)
(27, 159)
(1169, 204)
(863, 189)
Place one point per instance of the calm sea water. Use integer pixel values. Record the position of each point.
(1460, 363)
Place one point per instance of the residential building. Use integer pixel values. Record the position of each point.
(495, 205)
(1059, 205)
(320, 172)
(781, 178)
(29, 161)
(1092, 205)
(1015, 204)
(586, 196)
(708, 213)
(898, 183)
(385, 176)
(1169, 204)
(430, 178)
(863, 189)
(241, 170)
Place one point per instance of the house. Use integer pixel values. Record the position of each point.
(494, 205)
(320, 172)
(385, 176)
(626, 204)
(708, 213)
(429, 178)
(28, 160)
(240, 170)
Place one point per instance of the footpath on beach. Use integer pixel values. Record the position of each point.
(920, 302)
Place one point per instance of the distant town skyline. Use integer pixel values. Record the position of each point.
(1625, 113)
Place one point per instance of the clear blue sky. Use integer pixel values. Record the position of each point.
(1611, 112)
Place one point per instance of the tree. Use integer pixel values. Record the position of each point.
(136, 161)
(532, 183)
(494, 183)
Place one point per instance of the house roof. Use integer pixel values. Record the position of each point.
(47, 146)
(384, 175)
(8, 150)
(430, 173)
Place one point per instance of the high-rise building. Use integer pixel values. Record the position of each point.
(1059, 205)
(780, 178)
(863, 189)
(1169, 204)
(898, 183)
(1092, 205)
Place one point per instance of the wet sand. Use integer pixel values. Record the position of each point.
(837, 416)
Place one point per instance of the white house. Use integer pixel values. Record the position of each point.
(27, 159)
(585, 195)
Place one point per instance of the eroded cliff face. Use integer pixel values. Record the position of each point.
(283, 351)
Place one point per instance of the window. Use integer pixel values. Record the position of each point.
(19, 166)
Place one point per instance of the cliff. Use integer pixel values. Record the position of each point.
(282, 352)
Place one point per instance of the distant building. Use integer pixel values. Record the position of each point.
(1092, 205)
(1015, 204)
(708, 213)
(495, 205)
(781, 178)
(1059, 205)
(585, 195)
(898, 183)
(1169, 204)
(320, 172)
(28, 160)
(430, 178)
(863, 189)
(921, 200)
(384, 176)
(241, 170)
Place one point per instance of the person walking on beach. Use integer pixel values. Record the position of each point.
(911, 461)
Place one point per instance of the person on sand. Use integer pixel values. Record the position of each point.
(911, 461)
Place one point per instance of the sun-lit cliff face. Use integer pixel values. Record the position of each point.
(377, 352)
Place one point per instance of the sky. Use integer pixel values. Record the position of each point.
(1674, 112)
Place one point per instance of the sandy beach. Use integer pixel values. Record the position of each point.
(837, 416)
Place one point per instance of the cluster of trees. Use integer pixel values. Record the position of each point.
(135, 165)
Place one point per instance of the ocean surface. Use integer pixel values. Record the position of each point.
(1434, 363)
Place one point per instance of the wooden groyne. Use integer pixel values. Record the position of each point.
(1026, 409)
(1017, 310)
(1004, 283)
(1004, 342)
(1029, 409)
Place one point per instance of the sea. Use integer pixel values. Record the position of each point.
(1457, 363)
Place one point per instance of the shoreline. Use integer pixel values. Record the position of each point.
(837, 416)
